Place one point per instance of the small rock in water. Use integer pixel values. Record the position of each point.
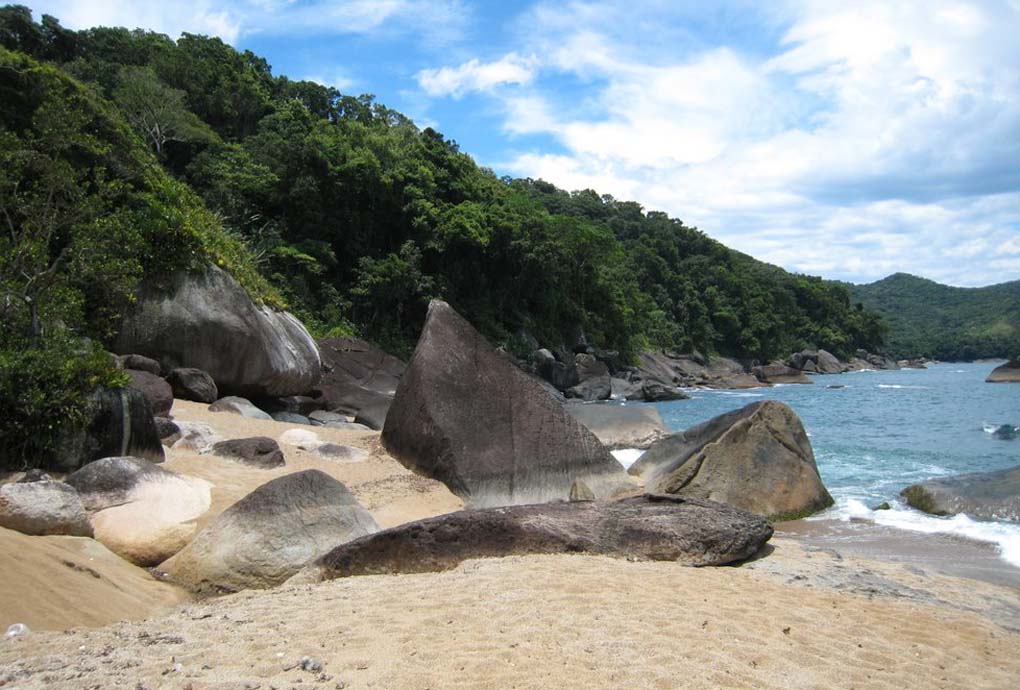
(311, 665)
(17, 630)
(883, 506)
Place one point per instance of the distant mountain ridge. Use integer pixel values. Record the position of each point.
(943, 322)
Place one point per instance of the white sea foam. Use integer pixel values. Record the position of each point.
(627, 456)
(898, 385)
(1005, 537)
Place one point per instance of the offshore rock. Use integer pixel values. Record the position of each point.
(983, 495)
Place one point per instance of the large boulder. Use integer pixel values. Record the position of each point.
(117, 422)
(43, 507)
(594, 382)
(189, 383)
(828, 363)
(671, 370)
(983, 495)
(359, 362)
(661, 528)
(816, 362)
(156, 390)
(140, 363)
(757, 458)
(257, 451)
(270, 534)
(468, 416)
(621, 426)
(779, 373)
(1005, 373)
(140, 511)
(207, 321)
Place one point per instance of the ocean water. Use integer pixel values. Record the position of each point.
(888, 429)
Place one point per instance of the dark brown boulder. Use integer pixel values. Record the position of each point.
(193, 384)
(361, 363)
(257, 451)
(659, 528)
(167, 430)
(468, 416)
(118, 422)
(155, 389)
(757, 458)
(983, 495)
(1005, 373)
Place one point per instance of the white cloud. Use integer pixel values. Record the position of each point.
(875, 137)
(477, 76)
(340, 80)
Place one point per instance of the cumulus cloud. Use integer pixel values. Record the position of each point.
(477, 76)
(867, 138)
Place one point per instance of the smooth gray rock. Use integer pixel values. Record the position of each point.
(621, 426)
(468, 416)
(207, 321)
(43, 507)
(257, 451)
(661, 528)
(291, 418)
(270, 534)
(140, 511)
(757, 458)
(193, 384)
(982, 495)
(327, 417)
(779, 373)
(236, 405)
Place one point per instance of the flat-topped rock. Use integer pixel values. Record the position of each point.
(982, 495)
(237, 405)
(466, 415)
(757, 458)
(257, 451)
(779, 373)
(661, 528)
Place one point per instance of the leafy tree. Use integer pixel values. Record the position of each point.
(156, 111)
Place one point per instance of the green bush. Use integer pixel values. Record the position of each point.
(43, 393)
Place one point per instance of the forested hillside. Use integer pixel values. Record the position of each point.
(949, 323)
(163, 153)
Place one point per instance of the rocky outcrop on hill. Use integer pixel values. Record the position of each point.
(619, 426)
(662, 528)
(118, 421)
(270, 534)
(42, 508)
(757, 458)
(207, 321)
(466, 415)
(1005, 373)
(140, 511)
(982, 495)
(694, 370)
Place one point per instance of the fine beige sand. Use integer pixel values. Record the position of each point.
(800, 616)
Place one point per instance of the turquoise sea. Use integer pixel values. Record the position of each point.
(886, 430)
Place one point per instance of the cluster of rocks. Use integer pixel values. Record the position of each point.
(590, 375)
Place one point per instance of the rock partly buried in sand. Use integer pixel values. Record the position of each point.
(983, 495)
(621, 426)
(207, 321)
(118, 422)
(43, 508)
(757, 458)
(140, 511)
(466, 415)
(189, 383)
(270, 534)
(195, 436)
(1005, 373)
(237, 405)
(661, 528)
(257, 451)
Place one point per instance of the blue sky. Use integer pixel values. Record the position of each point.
(849, 140)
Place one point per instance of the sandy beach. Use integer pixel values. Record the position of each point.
(807, 614)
